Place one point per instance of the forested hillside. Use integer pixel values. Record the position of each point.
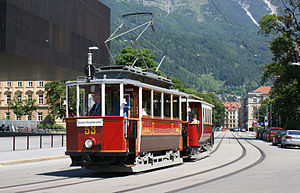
(206, 50)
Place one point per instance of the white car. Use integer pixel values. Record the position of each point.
(291, 138)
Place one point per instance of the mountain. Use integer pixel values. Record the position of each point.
(211, 45)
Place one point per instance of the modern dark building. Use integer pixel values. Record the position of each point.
(49, 39)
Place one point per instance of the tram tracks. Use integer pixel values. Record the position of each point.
(75, 176)
(243, 154)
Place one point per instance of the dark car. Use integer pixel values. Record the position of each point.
(277, 137)
(272, 132)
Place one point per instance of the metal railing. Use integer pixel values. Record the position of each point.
(29, 141)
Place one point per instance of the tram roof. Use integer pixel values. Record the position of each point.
(85, 81)
(133, 73)
(193, 100)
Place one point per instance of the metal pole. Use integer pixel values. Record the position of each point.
(51, 140)
(62, 140)
(14, 143)
(41, 138)
(27, 142)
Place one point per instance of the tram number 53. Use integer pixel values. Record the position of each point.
(90, 130)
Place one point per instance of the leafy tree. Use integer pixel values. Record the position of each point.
(17, 106)
(56, 94)
(55, 91)
(128, 56)
(29, 105)
(284, 29)
(23, 107)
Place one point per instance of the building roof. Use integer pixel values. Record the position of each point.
(231, 105)
(263, 90)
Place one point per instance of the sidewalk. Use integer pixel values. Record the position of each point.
(26, 156)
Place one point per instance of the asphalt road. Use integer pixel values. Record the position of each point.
(238, 165)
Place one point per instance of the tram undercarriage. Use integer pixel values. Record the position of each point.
(143, 162)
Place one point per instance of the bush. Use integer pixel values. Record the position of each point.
(58, 127)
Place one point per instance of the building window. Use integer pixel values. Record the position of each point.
(41, 83)
(40, 117)
(254, 100)
(18, 117)
(8, 84)
(7, 116)
(8, 98)
(30, 84)
(19, 84)
(28, 118)
(41, 99)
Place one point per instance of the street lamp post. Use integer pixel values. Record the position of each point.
(8, 101)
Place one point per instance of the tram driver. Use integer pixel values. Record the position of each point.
(96, 109)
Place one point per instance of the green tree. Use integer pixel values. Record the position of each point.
(23, 107)
(29, 105)
(17, 106)
(55, 92)
(284, 29)
(55, 95)
(128, 56)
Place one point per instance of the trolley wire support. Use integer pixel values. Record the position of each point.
(139, 36)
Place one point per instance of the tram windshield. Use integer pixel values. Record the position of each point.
(88, 100)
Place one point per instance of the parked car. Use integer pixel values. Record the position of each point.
(243, 130)
(291, 138)
(277, 137)
(236, 130)
(272, 132)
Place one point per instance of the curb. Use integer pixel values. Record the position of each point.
(3, 163)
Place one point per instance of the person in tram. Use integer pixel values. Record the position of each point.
(126, 109)
(195, 120)
(96, 109)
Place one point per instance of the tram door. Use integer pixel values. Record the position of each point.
(131, 97)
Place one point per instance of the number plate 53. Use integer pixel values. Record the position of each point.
(90, 130)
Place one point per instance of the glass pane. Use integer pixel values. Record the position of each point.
(112, 100)
(157, 104)
(90, 96)
(146, 102)
(175, 106)
(72, 101)
(167, 105)
(130, 95)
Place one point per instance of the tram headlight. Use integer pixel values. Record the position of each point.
(89, 143)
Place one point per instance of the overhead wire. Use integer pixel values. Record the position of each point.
(225, 19)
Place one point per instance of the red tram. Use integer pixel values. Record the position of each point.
(129, 119)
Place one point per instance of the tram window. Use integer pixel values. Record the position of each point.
(167, 105)
(183, 111)
(82, 101)
(72, 101)
(146, 102)
(91, 101)
(112, 100)
(175, 106)
(157, 104)
(130, 94)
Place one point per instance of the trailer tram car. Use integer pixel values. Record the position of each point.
(197, 136)
(138, 124)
